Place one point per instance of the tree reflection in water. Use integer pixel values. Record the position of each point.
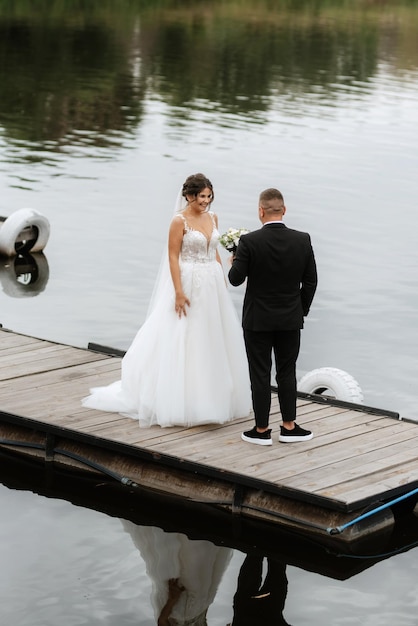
(81, 76)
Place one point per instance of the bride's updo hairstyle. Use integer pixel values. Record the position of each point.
(194, 184)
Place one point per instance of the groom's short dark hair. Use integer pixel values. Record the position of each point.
(271, 194)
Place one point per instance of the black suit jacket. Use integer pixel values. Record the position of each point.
(280, 268)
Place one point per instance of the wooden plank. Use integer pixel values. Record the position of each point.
(35, 353)
(47, 363)
(53, 393)
(373, 459)
(111, 422)
(9, 339)
(248, 460)
(314, 411)
(148, 438)
(119, 430)
(178, 440)
(210, 445)
(246, 450)
(326, 458)
(306, 457)
(81, 374)
(17, 348)
(87, 418)
(374, 466)
(370, 485)
(335, 444)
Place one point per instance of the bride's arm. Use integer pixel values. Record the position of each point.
(218, 256)
(175, 589)
(175, 239)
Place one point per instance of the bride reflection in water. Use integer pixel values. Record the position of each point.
(185, 573)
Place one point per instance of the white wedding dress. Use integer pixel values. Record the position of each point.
(185, 371)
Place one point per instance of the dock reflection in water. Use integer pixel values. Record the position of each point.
(193, 546)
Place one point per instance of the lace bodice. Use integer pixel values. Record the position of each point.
(196, 247)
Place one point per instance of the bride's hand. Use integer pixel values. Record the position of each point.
(175, 588)
(181, 303)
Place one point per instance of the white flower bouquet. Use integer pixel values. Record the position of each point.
(230, 239)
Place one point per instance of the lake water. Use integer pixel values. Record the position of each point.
(104, 111)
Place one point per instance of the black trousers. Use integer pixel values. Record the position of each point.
(260, 345)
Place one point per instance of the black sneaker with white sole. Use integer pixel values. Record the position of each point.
(253, 436)
(296, 434)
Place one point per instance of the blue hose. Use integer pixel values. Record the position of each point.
(340, 529)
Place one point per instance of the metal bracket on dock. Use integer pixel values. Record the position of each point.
(50, 442)
(238, 499)
(96, 347)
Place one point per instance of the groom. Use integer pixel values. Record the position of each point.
(280, 268)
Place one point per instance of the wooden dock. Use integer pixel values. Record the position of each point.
(360, 458)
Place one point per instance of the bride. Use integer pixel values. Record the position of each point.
(187, 364)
